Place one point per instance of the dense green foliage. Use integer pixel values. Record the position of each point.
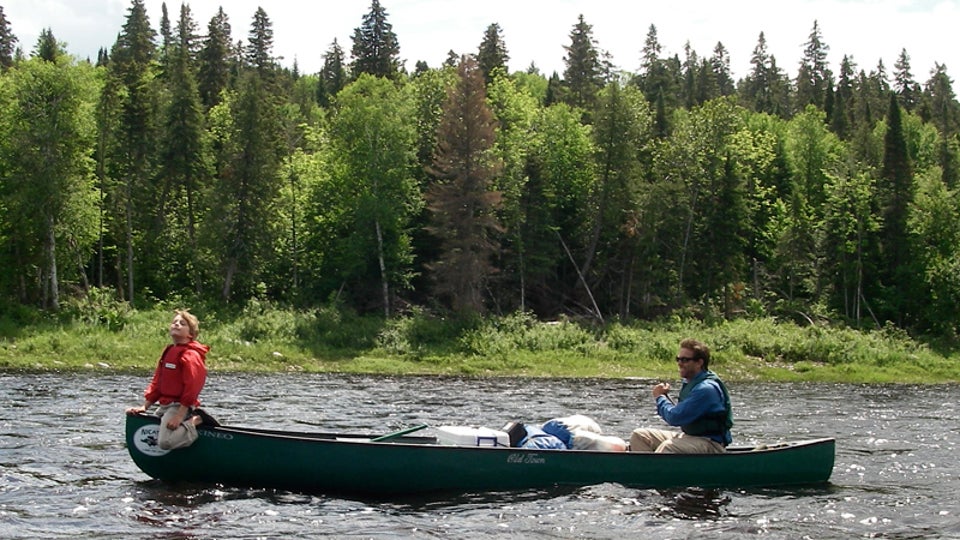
(183, 169)
(99, 334)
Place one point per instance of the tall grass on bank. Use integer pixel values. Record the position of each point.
(261, 337)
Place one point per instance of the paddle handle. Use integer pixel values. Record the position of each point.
(400, 433)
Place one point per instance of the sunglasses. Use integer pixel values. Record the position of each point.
(682, 359)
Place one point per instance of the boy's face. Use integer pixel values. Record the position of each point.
(179, 330)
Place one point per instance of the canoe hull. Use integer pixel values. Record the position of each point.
(350, 464)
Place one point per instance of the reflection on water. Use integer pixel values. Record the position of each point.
(695, 503)
(64, 471)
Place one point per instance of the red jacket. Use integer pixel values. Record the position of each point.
(180, 375)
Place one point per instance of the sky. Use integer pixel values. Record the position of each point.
(535, 31)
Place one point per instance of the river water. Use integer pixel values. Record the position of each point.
(65, 471)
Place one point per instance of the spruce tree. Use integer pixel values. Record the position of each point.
(941, 105)
(375, 47)
(659, 78)
(814, 75)
(720, 64)
(555, 90)
(940, 102)
(766, 88)
(333, 76)
(691, 73)
(258, 52)
(452, 60)
(755, 90)
(841, 116)
(650, 65)
(583, 76)
(215, 60)
(135, 48)
(166, 37)
(907, 89)
(132, 59)
(47, 47)
(896, 192)
(183, 166)
(462, 201)
(8, 42)
(492, 53)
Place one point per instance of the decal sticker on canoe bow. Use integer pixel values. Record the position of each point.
(145, 440)
(527, 459)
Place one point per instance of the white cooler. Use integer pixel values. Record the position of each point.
(472, 436)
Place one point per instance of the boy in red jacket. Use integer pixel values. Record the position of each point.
(177, 382)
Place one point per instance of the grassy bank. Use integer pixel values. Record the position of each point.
(261, 338)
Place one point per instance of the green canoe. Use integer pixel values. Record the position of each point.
(400, 465)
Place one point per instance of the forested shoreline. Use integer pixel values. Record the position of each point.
(186, 167)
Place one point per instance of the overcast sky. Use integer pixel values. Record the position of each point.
(536, 30)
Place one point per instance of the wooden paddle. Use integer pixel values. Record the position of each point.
(400, 433)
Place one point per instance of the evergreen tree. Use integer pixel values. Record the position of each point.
(720, 65)
(462, 202)
(841, 115)
(765, 89)
(814, 76)
(135, 48)
(187, 37)
(659, 79)
(333, 76)
(583, 76)
(691, 72)
(896, 192)
(8, 42)
(258, 52)
(726, 225)
(453, 59)
(555, 90)
(166, 37)
(907, 89)
(493, 53)
(250, 147)
(650, 56)
(132, 58)
(375, 47)
(183, 166)
(47, 47)
(940, 102)
(215, 59)
(651, 66)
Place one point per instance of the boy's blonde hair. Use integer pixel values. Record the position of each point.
(192, 322)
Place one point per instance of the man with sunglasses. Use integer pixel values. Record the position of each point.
(702, 411)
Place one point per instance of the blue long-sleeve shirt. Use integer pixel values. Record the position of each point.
(703, 399)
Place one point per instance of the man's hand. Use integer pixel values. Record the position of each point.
(177, 418)
(661, 389)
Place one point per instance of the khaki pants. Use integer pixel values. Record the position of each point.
(672, 442)
(171, 439)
